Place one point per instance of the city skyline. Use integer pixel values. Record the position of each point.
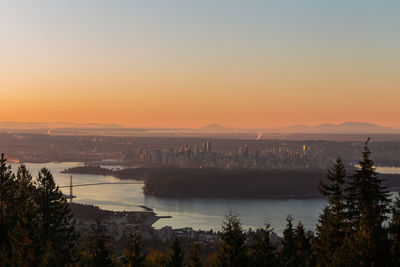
(157, 64)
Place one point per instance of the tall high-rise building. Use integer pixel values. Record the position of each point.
(207, 147)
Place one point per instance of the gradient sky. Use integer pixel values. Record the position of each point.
(191, 63)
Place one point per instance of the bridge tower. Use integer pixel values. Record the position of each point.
(70, 190)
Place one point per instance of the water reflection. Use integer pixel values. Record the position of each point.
(199, 213)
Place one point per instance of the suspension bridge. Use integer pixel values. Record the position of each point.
(71, 186)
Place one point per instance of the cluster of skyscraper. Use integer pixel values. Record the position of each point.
(203, 156)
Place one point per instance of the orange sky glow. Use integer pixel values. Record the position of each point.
(177, 69)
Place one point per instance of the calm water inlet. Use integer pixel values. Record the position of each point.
(199, 213)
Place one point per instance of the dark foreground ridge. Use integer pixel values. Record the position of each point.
(358, 226)
(222, 183)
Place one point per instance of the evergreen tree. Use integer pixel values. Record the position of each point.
(55, 219)
(263, 253)
(133, 251)
(7, 187)
(49, 256)
(24, 186)
(25, 251)
(394, 230)
(332, 225)
(288, 244)
(326, 252)
(233, 250)
(303, 256)
(103, 256)
(194, 259)
(23, 236)
(99, 246)
(156, 258)
(368, 205)
(175, 255)
(6, 194)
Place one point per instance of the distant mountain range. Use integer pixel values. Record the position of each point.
(14, 125)
(214, 127)
(327, 128)
(343, 128)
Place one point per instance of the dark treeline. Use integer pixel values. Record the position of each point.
(229, 183)
(36, 227)
(214, 182)
(89, 212)
(358, 227)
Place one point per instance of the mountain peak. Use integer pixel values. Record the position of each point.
(214, 126)
(358, 123)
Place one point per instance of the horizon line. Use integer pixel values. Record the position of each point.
(209, 125)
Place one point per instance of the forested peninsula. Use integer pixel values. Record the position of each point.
(226, 183)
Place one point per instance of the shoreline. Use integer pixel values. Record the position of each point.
(176, 183)
(88, 213)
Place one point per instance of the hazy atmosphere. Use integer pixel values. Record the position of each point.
(188, 133)
(187, 63)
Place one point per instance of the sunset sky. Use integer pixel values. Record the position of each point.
(191, 63)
